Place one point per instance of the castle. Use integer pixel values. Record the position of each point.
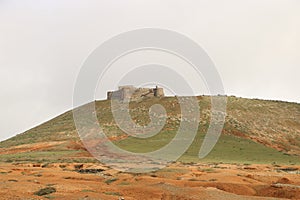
(130, 92)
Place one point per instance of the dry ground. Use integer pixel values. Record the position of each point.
(178, 181)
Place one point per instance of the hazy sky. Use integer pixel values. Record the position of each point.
(255, 45)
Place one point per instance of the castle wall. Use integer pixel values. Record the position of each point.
(159, 92)
(109, 95)
(126, 92)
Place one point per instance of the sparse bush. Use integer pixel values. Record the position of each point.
(109, 181)
(124, 183)
(113, 193)
(208, 170)
(45, 191)
(85, 190)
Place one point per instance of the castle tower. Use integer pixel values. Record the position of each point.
(109, 95)
(158, 92)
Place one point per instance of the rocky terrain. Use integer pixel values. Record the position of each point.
(178, 181)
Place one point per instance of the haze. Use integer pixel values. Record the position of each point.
(255, 46)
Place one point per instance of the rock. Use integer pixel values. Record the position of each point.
(45, 191)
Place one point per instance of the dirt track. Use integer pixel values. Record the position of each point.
(196, 181)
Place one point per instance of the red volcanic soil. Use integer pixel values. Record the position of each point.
(178, 181)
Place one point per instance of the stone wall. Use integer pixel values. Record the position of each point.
(126, 92)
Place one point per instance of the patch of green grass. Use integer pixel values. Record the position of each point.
(57, 129)
(124, 183)
(232, 149)
(109, 181)
(173, 170)
(229, 149)
(50, 184)
(113, 193)
(37, 175)
(86, 190)
(208, 170)
(35, 156)
(247, 164)
(49, 197)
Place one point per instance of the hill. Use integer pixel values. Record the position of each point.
(256, 131)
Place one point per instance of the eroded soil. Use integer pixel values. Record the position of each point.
(178, 181)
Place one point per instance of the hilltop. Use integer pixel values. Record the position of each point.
(256, 157)
(256, 131)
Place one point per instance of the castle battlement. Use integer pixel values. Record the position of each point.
(130, 92)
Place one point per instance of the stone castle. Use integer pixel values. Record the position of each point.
(130, 92)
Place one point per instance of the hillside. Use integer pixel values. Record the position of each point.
(256, 131)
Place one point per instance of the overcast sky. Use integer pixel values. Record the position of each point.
(255, 45)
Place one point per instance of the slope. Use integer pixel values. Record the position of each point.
(256, 131)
